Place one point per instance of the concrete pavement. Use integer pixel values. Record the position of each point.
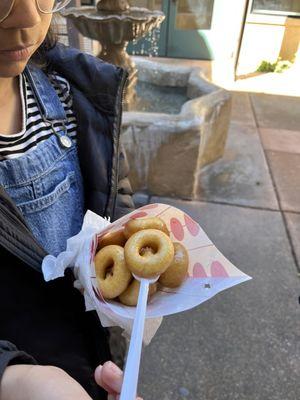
(244, 343)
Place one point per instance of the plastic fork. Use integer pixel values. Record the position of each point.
(131, 375)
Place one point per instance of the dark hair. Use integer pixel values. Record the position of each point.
(39, 57)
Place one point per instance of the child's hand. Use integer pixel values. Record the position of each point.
(33, 382)
(110, 377)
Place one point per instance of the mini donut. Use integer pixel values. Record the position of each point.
(131, 294)
(148, 265)
(177, 271)
(138, 224)
(113, 276)
(116, 238)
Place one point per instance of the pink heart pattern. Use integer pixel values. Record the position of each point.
(218, 270)
(199, 271)
(191, 225)
(177, 229)
(139, 215)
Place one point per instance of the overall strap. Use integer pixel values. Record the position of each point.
(15, 235)
(46, 96)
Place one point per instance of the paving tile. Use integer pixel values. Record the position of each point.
(285, 169)
(242, 109)
(293, 221)
(241, 176)
(244, 344)
(280, 140)
(279, 112)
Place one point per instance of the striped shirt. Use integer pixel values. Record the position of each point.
(34, 129)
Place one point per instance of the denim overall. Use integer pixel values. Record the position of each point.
(46, 182)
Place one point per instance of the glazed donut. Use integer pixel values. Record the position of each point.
(116, 238)
(148, 265)
(138, 224)
(177, 271)
(131, 294)
(113, 276)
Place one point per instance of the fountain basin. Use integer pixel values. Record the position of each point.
(113, 27)
(166, 152)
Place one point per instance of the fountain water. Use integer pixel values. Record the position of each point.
(114, 23)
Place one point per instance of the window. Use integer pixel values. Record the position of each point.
(276, 7)
(194, 14)
(150, 4)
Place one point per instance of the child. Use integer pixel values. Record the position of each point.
(60, 118)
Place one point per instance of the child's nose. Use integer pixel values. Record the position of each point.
(24, 14)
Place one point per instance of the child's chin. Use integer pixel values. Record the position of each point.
(12, 69)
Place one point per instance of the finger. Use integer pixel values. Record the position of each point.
(100, 382)
(110, 377)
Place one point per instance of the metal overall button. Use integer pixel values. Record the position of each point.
(64, 140)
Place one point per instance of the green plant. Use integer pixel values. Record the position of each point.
(282, 65)
(278, 66)
(266, 66)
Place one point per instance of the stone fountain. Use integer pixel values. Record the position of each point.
(183, 120)
(114, 24)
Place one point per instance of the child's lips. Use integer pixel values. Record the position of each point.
(17, 54)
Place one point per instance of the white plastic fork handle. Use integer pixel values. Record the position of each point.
(131, 375)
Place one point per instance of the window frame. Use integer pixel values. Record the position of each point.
(272, 12)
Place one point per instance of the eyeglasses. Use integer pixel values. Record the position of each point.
(44, 6)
